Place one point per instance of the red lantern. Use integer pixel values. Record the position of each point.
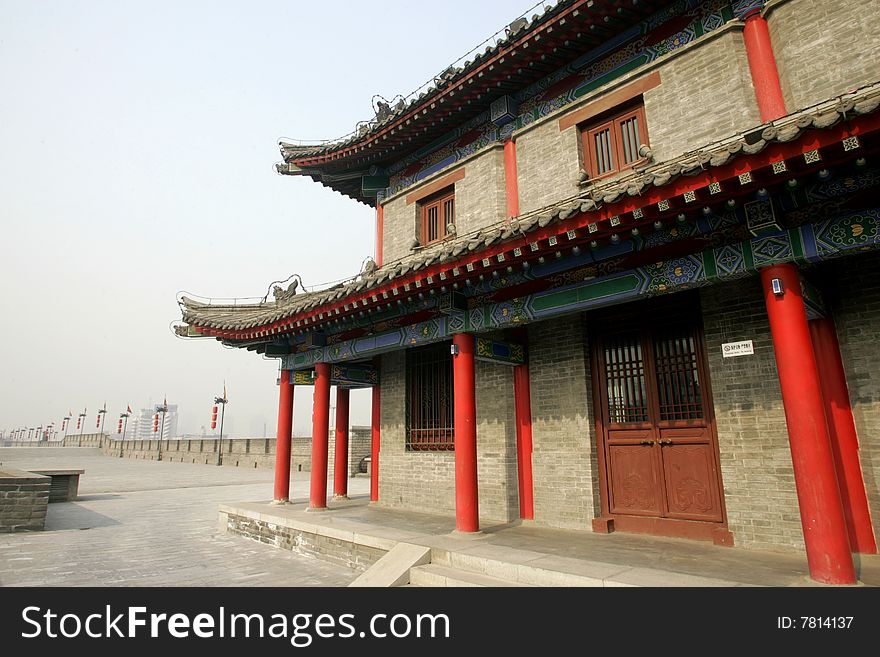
(78, 422)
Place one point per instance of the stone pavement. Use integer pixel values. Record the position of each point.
(150, 523)
(517, 552)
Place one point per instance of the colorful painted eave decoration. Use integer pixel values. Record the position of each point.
(816, 242)
(344, 375)
(493, 351)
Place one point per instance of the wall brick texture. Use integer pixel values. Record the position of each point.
(345, 553)
(24, 498)
(705, 94)
(564, 458)
(824, 49)
(548, 165)
(243, 452)
(756, 469)
(479, 202)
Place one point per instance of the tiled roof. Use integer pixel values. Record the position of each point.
(448, 78)
(519, 55)
(594, 197)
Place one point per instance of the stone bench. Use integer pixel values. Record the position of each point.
(64, 486)
(24, 497)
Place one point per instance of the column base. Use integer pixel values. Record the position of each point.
(809, 581)
(279, 502)
(316, 509)
(341, 497)
(475, 535)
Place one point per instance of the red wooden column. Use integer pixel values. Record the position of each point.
(340, 458)
(511, 185)
(467, 507)
(825, 536)
(376, 426)
(282, 441)
(521, 394)
(380, 227)
(842, 431)
(320, 437)
(762, 65)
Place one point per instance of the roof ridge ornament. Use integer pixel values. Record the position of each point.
(280, 293)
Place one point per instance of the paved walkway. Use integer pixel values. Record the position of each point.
(151, 523)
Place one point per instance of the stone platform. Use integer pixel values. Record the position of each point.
(358, 534)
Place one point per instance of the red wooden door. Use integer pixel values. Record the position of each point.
(660, 451)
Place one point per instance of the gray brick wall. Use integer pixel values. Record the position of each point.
(856, 309)
(24, 498)
(824, 48)
(496, 442)
(243, 452)
(421, 481)
(345, 553)
(399, 229)
(756, 469)
(425, 481)
(479, 202)
(564, 465)
(705, 94)
(548, 165)
(479, 196)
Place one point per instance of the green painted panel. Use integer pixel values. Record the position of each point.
(797, 245)
(587, 292)
(709, 265)
(748, 256)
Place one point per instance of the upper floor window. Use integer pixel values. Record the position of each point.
(437, 216)
(612, 143)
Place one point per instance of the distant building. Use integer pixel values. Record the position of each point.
(140, 424)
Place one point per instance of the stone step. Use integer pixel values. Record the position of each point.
(439, 576)
(526, 568)
(394, 567)
(521, 568)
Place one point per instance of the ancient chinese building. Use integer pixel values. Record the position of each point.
(626, 280)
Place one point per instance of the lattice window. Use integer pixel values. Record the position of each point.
(678, 378)
(429, 399)
(612, 144)
(625, 379)
(437, 215)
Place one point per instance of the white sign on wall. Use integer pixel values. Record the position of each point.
(731, 349)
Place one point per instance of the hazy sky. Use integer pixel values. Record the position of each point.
(137, 145)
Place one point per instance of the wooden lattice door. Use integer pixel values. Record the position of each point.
(660, 451)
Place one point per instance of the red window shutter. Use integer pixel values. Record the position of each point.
(613, 144)
(436, 213)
